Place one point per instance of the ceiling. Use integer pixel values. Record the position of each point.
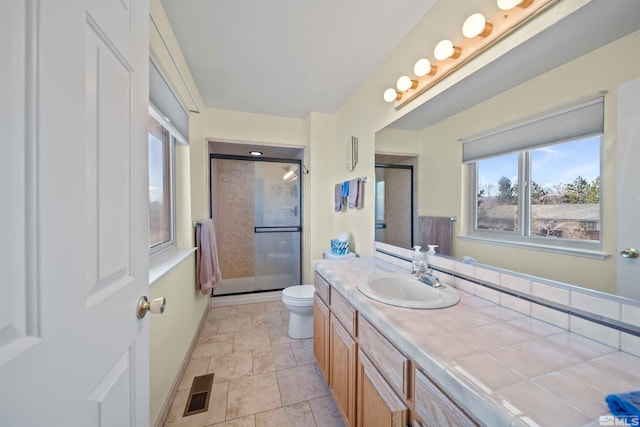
(291, 57)
(287, 57)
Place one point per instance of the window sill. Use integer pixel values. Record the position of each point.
(586, 253)
(166, 261)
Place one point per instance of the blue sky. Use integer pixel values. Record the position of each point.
(557, 164)
(156, 166)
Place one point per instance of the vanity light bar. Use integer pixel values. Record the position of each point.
(479, 34)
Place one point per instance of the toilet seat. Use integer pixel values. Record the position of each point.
(301, 292)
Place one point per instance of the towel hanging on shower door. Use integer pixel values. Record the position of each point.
(207, 264)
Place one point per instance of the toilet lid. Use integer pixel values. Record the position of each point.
(299, 292)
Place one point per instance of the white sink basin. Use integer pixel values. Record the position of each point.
(404, 290)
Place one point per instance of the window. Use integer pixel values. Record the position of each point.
(161, 206)
(538, 183)
(168, 124)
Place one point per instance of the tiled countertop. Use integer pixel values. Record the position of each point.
(504, 368)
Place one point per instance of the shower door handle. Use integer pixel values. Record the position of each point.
(282, 229)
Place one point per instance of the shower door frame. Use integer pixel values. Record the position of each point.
(412, 221)
(297, 162)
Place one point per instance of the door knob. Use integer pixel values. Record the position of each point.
(629, 253)
(156, 305)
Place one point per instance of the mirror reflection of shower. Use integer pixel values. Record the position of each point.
(255, 203)
(395, 206)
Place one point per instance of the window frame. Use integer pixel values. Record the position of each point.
(171, 243)
(522, 237)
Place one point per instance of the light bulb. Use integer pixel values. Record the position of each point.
(510, 4)
(424, 67)
(445, 49)
(476, 25)
(288, 175)
(405, 83)
(391, 95)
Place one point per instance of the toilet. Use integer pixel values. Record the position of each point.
(299, 301)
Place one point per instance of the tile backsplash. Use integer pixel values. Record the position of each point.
(605, 318)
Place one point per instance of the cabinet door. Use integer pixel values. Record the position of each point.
(378, 405)
(390, 362)
(434, 408)
(342, 370)
(321, 335)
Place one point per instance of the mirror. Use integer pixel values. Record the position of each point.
(485, 101)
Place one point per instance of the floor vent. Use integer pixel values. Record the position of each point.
(199, 395)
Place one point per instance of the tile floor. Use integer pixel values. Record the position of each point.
(262, 378)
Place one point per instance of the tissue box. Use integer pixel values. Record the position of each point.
(338, 247)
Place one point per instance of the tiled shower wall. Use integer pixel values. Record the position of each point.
(233, 205)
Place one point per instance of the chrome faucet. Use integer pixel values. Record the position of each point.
(430, 279)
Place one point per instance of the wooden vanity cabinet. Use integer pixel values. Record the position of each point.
(434, 408)
(392, 364)
(322, 288)
(372, 382)
(321, 301)
(335, 347)
(321, 335)
(383, 380)
(342, 370)
(378, 405)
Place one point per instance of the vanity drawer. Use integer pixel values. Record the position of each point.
(344, 312)
(322, 287)
(391, 363)
(433, 407)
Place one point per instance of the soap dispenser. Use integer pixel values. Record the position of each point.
(417, 262)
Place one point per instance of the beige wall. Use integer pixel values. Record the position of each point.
(171, 334)
(226, 125)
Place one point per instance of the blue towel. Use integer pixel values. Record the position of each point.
(345, 189)
(625, 405)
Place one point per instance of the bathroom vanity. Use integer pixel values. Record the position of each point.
(475, 363)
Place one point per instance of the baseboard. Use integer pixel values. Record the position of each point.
(162, 419)
(223, 301)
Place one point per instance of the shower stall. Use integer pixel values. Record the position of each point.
(256, 207)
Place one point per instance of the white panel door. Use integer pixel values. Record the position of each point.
(628, 269)
(73, 213)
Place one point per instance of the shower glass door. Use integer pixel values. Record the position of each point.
(256, 207)
(394, 207)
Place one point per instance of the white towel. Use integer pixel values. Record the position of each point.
(207, 264)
